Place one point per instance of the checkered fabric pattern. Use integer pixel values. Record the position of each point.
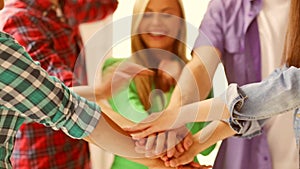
(28, 93)
(53, 39)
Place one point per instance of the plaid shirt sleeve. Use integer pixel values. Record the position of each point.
(81, 11)
(26, 88)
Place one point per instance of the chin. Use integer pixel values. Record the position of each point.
(1, 4)
(158, 47)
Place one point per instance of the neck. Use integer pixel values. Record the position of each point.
(274, 2)
(55, 2)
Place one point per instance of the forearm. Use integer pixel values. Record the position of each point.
(117, 118)
(151, 163)
(203, 111)
(195, 81)
(214, 132)
(190, 87)
(85, 91)
(107, 133)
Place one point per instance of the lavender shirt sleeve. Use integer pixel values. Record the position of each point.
(211, 29)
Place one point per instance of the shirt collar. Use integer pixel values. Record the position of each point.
(41, 5)
(45, 6)
(252, 9)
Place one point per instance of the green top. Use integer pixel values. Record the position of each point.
(28, 93)
(128, 104)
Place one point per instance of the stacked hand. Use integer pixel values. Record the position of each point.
(172, 147)
(119, 76)
(168, 73)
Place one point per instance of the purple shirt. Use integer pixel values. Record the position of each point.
(231, 26)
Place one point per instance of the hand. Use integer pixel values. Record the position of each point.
(178, 141)
(165, 144)
(168, 73)
(187, 157)
(215, 131)
(118, 76)
(156, 122)
(194, 165)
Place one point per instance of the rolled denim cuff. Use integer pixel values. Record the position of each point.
(234, 99)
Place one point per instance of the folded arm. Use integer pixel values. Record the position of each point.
(252, 104)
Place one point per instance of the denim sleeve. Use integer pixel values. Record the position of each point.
(250, 105)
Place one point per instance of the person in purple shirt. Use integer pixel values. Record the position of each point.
(247, 37)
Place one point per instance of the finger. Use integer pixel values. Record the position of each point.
(195, 164)
(149, 155)
(150, 142)
(185, 167)
(177, 154)
(143, 134)
(187, 142)
(140, 150)
(182, 160)
(171, 142)
(183, 132)
(164, 158)
(167, 163)
(180, 148)
(138, 128)
(141, 142)
(146, 125)
(160, 143)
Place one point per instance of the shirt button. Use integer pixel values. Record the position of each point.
(298, 115)
(265, 158)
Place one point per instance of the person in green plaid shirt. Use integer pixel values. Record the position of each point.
(28, 93)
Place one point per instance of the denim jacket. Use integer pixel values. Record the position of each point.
(250, 105)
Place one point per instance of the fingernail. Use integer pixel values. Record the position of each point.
(189, 143)
(134, 136)
(172, 164)
(169, 155)
(167, 164)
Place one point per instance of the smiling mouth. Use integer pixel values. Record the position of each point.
(157, 34)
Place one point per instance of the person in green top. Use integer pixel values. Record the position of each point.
(158, 43)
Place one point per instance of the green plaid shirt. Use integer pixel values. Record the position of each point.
(28, 93)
